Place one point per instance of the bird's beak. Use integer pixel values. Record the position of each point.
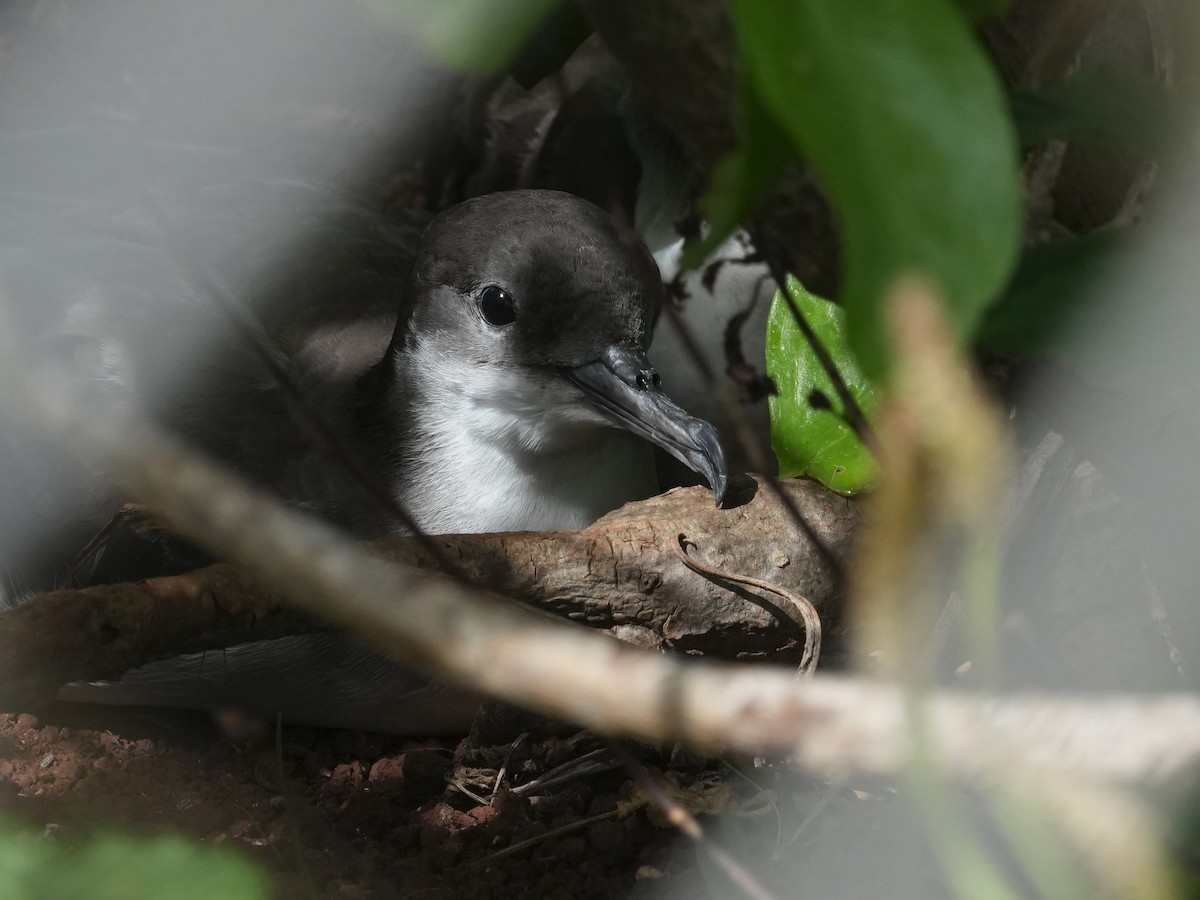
(624, 386)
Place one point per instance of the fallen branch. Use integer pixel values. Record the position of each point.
(623, 575)
(831, 724)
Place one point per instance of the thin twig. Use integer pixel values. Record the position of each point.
(459, 786)
(806, 616)
(591, 763)
(503, 770)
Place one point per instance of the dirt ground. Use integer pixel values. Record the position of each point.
(338, 814)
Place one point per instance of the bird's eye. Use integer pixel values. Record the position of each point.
(496, 306)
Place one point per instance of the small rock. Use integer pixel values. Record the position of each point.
(347, 775)
(504, 800)
(438, 823)
(387, 769)
(483, 813)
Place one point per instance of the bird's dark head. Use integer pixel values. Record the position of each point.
(534, 278)
(538, 306)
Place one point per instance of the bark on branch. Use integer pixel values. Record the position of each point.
(622, 575)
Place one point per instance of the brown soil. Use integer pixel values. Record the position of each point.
(334, 814)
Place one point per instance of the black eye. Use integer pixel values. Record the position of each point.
(497, 306)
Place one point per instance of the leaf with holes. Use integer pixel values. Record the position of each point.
(808, 425)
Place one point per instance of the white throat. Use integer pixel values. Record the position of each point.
(506, 449)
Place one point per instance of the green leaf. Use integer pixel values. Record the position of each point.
(898, 109)
(810, 440)
(480, 36)
(117, 867)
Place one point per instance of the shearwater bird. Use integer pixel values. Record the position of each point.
(507, 388)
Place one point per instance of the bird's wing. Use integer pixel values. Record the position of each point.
(327, 681)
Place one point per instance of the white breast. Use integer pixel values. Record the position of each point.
(501, 449)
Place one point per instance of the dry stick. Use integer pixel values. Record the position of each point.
(458, 785)
(620, 574)
(753, 448)
(593, 762)
(827, 723)
(503, 770)
(686, 823)
(806, 616)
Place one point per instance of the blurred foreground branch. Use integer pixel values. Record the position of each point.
(839, 724)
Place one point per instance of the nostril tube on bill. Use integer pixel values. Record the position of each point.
(646, 379)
